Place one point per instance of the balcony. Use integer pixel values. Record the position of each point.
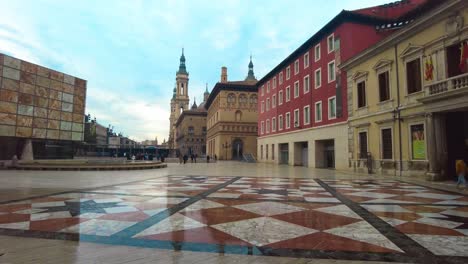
(447, 85)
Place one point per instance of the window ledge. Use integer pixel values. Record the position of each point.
(385, 102)
(415, 94)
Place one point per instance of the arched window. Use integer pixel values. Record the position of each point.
(238, 116)
(242, 99)
(231, 98)
(253, 99)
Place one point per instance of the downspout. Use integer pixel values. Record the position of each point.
(398, 115)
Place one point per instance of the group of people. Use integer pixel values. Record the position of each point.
(461, 171)
(193, 157)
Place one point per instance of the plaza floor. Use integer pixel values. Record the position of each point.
(228, 212)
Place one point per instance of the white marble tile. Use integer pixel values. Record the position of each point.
(454, 202)
(341, 210)
(175, 222)
(132, 187)
(388, 201)
(432, 215)
(224, 195)
(90, 215)
(51, 215)
(456, 213)
(385, 208)
(438, 222)
(17, 225)
(463, 231)
(393, 221)
(167, 200)
(263, 230)
(322, 199)
(30, 211)
(154, 211)
(372, 195)
(203, 204)
(121, 209)
(444, 245)
(48, 204)
(269, 208)
(311, 188)
(364, 232)
(340, 186)
(108, 200)
(434, 196)
(98, 227)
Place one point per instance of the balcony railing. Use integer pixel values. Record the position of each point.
(453, 83)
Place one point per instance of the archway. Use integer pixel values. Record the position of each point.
(237, 149)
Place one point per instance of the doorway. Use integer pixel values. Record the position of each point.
(237, 149)
(284, 153)
(457, 140)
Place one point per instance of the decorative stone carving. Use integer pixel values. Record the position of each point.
(454, 25)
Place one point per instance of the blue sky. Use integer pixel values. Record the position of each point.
(129, 50)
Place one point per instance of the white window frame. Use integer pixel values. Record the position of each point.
(267, 130)
(296, 88)
(381, 142)
(332, 37)
(329, 108)
(288, 93)
(317, 54)
(262, 107)
(296, 118)
(306, 121)
(320, 78)
(321, 112)
(263, 90)
(308, 84)
(296, 67)
(306, 60)
(280, 122)
(273, 101)
(262, 128)
(288, 72)
(268, 87)
(268, 104)
(280, 97)
(328, 71)
(274, 82)
(280, 77)
(288, 117)
(273, 124)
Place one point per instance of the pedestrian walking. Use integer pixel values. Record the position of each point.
(180, 159)
(207, 158)
(216, 158)
(460, 168)
(185, 158)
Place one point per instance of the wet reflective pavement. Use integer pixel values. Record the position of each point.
(347, 219)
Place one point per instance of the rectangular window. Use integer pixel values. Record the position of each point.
(273, 101)
(261, 152)
(266, 151)
(306, 115)
(272, 151)
(281, 78)
(268, 126)
(268, 86)
(362, 145)
(262, 90)
(262, 128)
(361, 94)
(387, 144)
(306, 60)
(288, 94)
(413, 76)
(306, 84)
(332, 108)
(318, 111)
(273, 124)
(418, 142)
(296, 89)
(384, 87)
(268, 104)
(317, 52)
(288, 120)
(318, 78)
(331, 43)
(296, 67)
(280, 98)
(288, 72)
(262, 107)
(296, 118)
(280, 122)
(331, 71)
(274, 82)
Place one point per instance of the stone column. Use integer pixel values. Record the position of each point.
(27, 153)
(441, 141)
(434, 164)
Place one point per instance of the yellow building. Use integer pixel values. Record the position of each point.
(232, 117)
(408, 98)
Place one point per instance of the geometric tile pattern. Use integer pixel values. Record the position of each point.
(245, 215)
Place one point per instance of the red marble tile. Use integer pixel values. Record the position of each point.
(359, 199)
(150, 206)
(415, 199)
(309, 205)
(423, 209)
(199, 235)
(423, 229)
(55, 224)
(398, 215)
(49, 199)
(14, 207)
(130, 216)
(215, 216)
(13, 218)
(324, 241)
(230, 202)
(316, 220)
(192, 193)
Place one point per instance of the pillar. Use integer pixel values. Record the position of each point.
(432, 151)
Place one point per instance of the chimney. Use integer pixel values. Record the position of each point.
(224, 78)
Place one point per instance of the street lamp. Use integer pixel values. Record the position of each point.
(226, 146)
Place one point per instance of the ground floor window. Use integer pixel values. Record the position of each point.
(261, 152)
(363, 145)
(418, 142)
(266, 151)
(272, 151)
(387, 144)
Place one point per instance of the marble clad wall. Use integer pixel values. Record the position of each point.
(37, 102)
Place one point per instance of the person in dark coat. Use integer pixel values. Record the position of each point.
(185, 158)
(207, 158)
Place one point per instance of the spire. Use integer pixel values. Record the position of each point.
(251, 75)
(182, 69)
(206, 89)
(194, 106)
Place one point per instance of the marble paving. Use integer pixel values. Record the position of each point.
(382, 220)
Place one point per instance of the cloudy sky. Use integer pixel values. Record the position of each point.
(129, 50)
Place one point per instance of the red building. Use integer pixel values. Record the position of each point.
(303, 101)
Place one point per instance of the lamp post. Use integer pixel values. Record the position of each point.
(226, 146)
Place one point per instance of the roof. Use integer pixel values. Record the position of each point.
(361, 16)
(190, 113)
(245, 86)
(393, 10)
